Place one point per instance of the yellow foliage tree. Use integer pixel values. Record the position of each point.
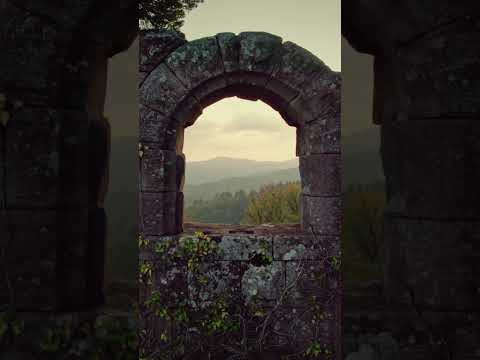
(274, 204)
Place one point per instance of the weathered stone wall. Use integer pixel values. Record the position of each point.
(289, 278)
(177, 80)
(54, 150)
(427, 101)
(426, 98)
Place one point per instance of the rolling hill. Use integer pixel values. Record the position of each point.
(361, 164)
(207, 191)
(222, 168)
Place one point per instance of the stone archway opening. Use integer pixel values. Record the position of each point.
(178, 79)
(237, 153)
(247, 92)
(252, 66)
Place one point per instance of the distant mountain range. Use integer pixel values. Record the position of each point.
(222, 168)
(361, 164)
(208, 190)
(360, 152)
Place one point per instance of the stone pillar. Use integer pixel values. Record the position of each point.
(54, 145)
(427, 100)
(431, 154)
(320, 171)
(43, 237)
(162, 165)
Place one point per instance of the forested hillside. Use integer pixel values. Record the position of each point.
(218, 190)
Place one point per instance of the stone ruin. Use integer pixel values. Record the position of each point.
(426, 100)
(177, 80)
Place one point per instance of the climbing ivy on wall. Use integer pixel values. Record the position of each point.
(189, 310)
(108, 337)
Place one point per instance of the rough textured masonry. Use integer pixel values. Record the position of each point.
(54, 144)
(177, 80)
(427, 101)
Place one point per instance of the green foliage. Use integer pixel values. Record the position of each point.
(10, 327)
(164, 14)
(224, 208)
(362, 233)
(106, 338)
(215, 319)
(316, 349)
(274, 204)
(363, 219)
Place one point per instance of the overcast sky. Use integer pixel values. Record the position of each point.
(234, 127)
(246, 129)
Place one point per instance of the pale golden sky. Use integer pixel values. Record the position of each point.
(234, 127)
(246, 129)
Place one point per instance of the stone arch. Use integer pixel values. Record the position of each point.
(179, 78)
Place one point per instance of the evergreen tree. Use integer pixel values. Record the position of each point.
(164, 14)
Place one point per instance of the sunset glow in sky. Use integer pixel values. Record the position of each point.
(246, 129)
(234, 127)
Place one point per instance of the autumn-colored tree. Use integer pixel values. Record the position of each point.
(274, 204)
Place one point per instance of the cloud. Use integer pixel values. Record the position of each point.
(254, 123)
(242, 129)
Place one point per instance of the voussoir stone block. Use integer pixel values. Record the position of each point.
(282, 90)
(319, 137)
(190, 109)
(196, 62)
(320, 99)
(298, 66)
(33, 159)
(259, 52)
(155, 46)
(229, 44)
(160, 213)
(162, 91)
(321, 174)
(323, 215)
(158, 169)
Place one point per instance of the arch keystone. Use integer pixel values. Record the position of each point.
(259, 52)
(229, 45)
(196, 62)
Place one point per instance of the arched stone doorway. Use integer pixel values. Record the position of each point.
(177, 80)
(251, 66)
